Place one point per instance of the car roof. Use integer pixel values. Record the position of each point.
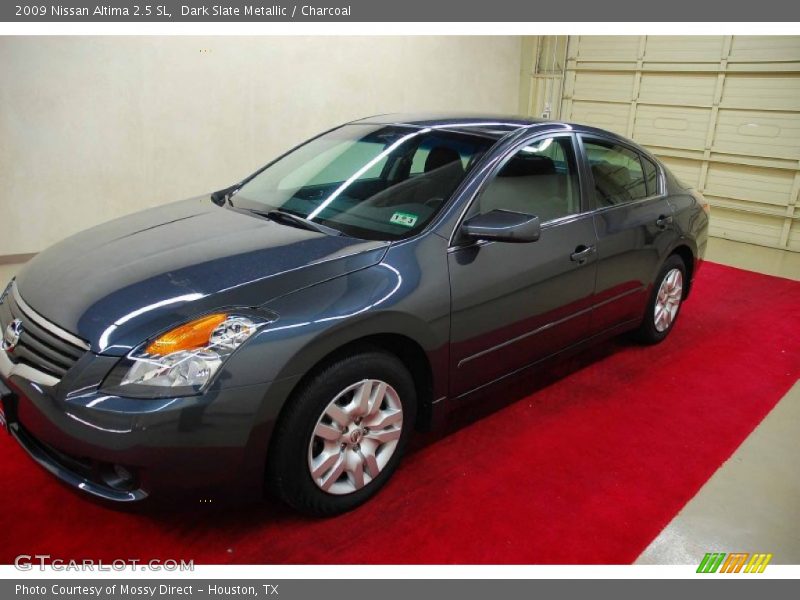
(481, 123)
(488, 124)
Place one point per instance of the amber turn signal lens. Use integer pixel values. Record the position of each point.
(187, 337)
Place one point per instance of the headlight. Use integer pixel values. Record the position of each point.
(184, 360)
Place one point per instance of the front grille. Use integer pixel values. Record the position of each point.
(42, 345)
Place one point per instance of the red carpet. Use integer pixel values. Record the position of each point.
(588, 469)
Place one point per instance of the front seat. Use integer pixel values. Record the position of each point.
(442, 172)
(528, 184)
(439, 156)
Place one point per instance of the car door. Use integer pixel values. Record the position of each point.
(516, 303)
(634, 227)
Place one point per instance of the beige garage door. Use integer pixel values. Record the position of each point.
(722, 111)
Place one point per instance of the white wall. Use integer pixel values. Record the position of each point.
(92, 128)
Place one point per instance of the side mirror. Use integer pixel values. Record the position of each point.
(503, 226)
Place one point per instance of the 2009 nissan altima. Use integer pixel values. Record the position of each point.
(288, 333)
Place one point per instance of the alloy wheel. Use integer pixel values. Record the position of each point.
(670, 294)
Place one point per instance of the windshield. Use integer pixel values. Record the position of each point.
(367, 181)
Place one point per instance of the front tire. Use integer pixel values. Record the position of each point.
(342, 435)
(665, 302)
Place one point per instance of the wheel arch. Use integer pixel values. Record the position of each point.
(688, 256)
(405, 348)
(410, 350)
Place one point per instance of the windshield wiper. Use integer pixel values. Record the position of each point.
(287, 218)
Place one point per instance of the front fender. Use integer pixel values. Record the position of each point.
(394, 297)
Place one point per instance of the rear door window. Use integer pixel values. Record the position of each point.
(617, 172)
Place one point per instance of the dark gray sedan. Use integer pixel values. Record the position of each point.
(288, 333)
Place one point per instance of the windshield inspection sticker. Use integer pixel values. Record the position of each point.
(404, 219)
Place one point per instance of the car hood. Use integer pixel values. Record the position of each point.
(119, 283)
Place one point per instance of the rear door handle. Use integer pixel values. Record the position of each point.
(663, 221)
(582, 254)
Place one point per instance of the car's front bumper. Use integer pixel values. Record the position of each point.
(194, 446)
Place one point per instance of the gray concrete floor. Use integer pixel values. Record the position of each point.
(752, 503)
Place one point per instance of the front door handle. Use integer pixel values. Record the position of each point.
(663, 221)
(582, 254)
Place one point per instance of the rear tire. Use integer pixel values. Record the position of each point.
(665, 302)
(343, 433)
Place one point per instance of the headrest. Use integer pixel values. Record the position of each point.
(525, 166)
(440, 156)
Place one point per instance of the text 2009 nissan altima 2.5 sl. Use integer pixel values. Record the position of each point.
(288, 333)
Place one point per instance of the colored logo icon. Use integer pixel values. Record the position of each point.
(736, 562)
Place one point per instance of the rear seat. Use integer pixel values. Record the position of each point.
(613, 182)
